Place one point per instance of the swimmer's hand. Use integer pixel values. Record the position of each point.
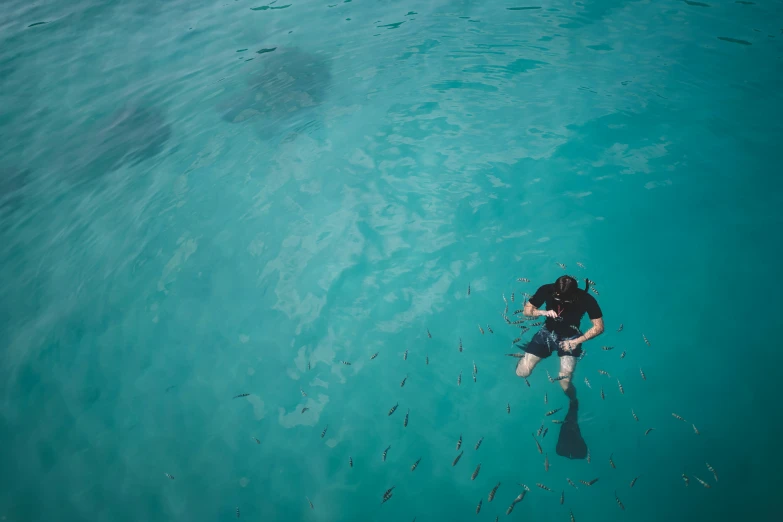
(548, 313)
(568, 346)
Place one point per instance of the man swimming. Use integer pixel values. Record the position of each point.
(566, 304)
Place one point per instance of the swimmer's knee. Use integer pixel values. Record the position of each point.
(522, 370)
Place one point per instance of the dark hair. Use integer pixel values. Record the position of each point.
(567, 286)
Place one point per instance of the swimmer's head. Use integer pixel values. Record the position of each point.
(566, 289)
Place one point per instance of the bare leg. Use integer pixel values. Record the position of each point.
(526, 364)
(567, 367)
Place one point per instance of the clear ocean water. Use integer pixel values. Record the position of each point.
(206, 199)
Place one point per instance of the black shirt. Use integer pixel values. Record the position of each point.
(571, 313)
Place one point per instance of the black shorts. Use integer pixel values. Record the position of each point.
(545, 342)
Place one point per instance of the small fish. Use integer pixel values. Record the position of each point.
(481, 330)
(562, 497)
(427, 360)
(619, 503)
(602, 372)
(621, 387)
(478, 508)
(508, 408)
(527, 382)
(540, 450)
(304, 409)
(523, 280)
(512, 297)
(510, 508)
(621, 328)
(588, 455)
(587, 383)
(702, 482)
(350, 461)
(240, 395)
(603, 397)
(571, 483)
(257, 441)
(644, 378)
(479, 442)
(685, 478)
(645, 340)
(546, 400)
(475, 370)
(492, 493)
(580, 265)
(594, 290)
(475, 473)
(237, 512)
(459, 442)
(457, 459)
(543, 434)
(714, 474)
(552, 412)
(678, 417)
(489, 329)
(388, 494)
(521, 496)
(460, 344)
(611, 462)
(468, 289)
(171, 477)
(346, 363)
(542, 486)
(415, 464)
(557, 421)
(459, 379)
(527, 489)
(373, 356)
(308, 366)
(634, 416)
(385, 452)
(549, 377)
(504, 298)
(405, 355)
(402, 383)
(622, 355)
(649, 430)
(561, 265)
(324, 432)
(572, 515)
(540, 430)
(633, 482)
(607, 348)
(311, 504)
(302, 392)
(589, 482)
(515, 341)
(546, 462)
(405, 422)
(429, 334)
(695, 430)
(393, 408)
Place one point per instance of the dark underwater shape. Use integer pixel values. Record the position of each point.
(521, 8)
(282, 85)
(131, 135)
(697, 4)
(734, 40)
(570, 443)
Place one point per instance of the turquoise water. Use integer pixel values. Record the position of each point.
(201, 199)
